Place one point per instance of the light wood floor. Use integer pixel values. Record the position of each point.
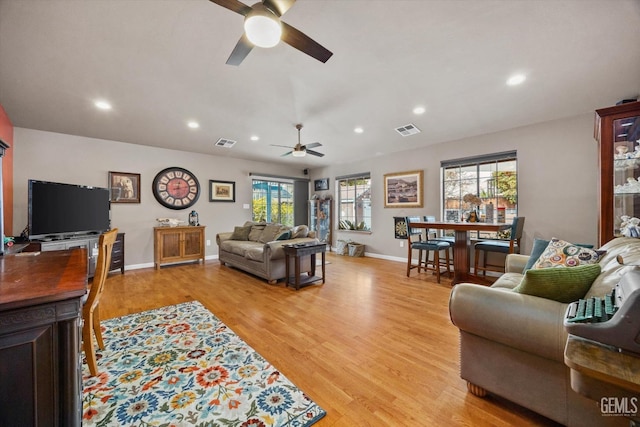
(370, 346)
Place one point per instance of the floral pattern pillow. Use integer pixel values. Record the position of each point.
(560, 253)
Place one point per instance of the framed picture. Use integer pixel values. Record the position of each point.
(321, 184)
(403, 190)
(222, 191)
(124, 187)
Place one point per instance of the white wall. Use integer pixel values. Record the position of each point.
(71, 159)
(557, 181)
(557, 171)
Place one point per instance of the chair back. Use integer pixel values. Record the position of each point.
(517, 227)
(413, 231)
(430, 232)
(105, 246)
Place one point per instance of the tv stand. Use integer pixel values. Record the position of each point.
(86, 241)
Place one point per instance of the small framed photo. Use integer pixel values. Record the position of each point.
(124, 187)
(222, 191)
(321, 184)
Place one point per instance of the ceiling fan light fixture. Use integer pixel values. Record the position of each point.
(262, 27)
(300, 153)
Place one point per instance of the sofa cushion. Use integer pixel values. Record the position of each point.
(560, 253)
(256, 231)
(239, 247)
(299, 231)
(562, 284)
(270, 232)
(241, 233)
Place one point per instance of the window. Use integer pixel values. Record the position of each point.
(273, 202)
(493, 178)
(354, 202)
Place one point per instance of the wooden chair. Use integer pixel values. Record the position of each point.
(510, 246)
(90, 310)
(415, 241)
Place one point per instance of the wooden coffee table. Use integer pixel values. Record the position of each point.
(298, 251)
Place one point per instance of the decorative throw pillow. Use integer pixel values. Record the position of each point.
(270, 232)
(256, 231)
(299, 231)
(285, 235)
(241, 233)
(539, 245)
(563, 284)
(560, 253)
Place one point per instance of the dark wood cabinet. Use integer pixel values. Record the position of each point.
(178, 244)
(617, 130)
(40, 316)
(117, 254)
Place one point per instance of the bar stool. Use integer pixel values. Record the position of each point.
(415, 242)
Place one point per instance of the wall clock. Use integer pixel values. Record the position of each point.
(176, 188)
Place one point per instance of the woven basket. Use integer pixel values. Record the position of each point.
(356, 249)
(342, 247)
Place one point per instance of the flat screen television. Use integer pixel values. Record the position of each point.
(58, 211)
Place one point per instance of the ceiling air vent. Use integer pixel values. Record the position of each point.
(407, 130)
(226, 143)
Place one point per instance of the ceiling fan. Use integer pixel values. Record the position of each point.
(301, 150)
(264, 28)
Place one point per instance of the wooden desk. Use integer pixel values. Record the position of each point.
(462, 244)
(40, 311)
(298, 251)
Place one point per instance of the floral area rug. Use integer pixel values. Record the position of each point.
(181, 366)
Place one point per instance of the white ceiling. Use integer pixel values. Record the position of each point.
(162, 63)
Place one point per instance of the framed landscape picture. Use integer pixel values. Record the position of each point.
(124, 187)
(403, 190)
(222, 191)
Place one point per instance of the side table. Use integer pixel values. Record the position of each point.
(298, 251)
(606, 375)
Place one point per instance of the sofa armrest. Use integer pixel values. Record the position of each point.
(221, 237)
(529, 323)
(515, 263)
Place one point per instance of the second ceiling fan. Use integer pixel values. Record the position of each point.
(300, 150)
(264, 18)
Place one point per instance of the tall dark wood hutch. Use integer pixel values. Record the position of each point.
(617, 130)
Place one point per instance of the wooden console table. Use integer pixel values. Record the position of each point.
(297, 252)
(40, 311)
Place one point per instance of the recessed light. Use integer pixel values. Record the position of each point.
(193, 125)
(255, 137)
(516, 79)
(419, 110)
(103, 105)
(358, 130)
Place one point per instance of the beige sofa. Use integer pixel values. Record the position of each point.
(258, 252)
(512, 344)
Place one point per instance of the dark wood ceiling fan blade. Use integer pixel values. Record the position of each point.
(286, 154)
(233, 5)
(314, 153)
(242, 49)
(279, 7)
(302, 42)
(313, 145)
(285, 146)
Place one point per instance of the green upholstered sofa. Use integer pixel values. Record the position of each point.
(512, 344)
